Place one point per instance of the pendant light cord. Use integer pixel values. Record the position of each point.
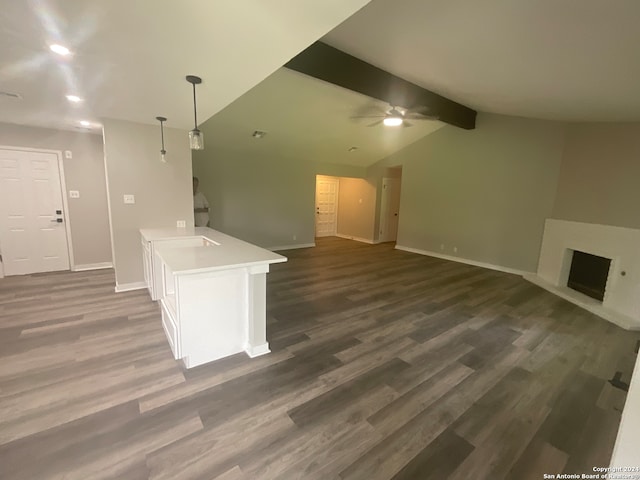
(195, 112)
(162, 134)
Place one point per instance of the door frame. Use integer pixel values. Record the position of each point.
(63, 187)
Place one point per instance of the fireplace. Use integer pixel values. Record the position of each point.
(588, 274)
(616, 251)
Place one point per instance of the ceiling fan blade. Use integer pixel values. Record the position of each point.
(367, 116)
(375, 123)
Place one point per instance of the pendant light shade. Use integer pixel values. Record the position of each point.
(163, 152)
(196, 138)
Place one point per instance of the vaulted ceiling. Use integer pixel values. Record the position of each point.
(130, 57)
(552, 59)
(309, 120)
(562, 60)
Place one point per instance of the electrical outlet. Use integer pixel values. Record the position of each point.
(74, 194)
(68, 154)
(441, 245)
(181, 224)
(129, 199)
(295, 237)
(455, 249)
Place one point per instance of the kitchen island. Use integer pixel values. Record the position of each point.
(212, 290)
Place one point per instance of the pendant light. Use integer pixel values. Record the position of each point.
(196, 139)
(163, 152)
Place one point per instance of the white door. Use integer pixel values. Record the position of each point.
(389, 209)
(326, 206)
(33, 236)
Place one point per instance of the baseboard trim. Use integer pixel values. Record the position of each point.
(292, 247)
(451, 258)
(92, 266)
(127, 287)
(258, 350)
(357, 239)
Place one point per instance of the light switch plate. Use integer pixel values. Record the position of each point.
(74, 194)
(129, 199)
(181, 224)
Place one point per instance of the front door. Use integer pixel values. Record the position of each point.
(326, 206)
(33, 236)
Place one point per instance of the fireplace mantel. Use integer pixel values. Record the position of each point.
(621, 304)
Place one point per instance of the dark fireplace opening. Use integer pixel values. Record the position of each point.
(589, 274)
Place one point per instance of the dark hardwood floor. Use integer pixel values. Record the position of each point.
(384, 365)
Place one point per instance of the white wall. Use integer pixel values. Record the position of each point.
(88, 215)
(262, 199)
(599, 176)
(486, 192)
(356, 208)
(163, 192)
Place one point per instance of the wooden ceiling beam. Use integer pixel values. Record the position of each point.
(335, 66)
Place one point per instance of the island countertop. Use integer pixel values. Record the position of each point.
(218, 251)
(151, 234)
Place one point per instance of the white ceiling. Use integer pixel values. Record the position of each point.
(552, 59)
(309, 119)
(131, 57)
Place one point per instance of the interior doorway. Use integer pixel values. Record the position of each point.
(33, 228)
(326, 214)
(390, 205)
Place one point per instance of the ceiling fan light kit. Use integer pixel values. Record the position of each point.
(397, 118)
(196, 138)
(393, 118)
(392, 121)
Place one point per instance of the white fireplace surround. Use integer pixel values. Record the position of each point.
(621, 304)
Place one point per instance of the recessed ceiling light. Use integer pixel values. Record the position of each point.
(60, 49)
(74, 98)
(84, 123)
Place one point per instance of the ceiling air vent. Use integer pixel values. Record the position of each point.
(15, 96)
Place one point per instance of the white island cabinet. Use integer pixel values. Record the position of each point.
(212, 289)
(155, 237)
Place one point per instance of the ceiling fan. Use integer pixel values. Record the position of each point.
(395, 117)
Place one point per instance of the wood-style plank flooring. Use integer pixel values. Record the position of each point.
(384, 365)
